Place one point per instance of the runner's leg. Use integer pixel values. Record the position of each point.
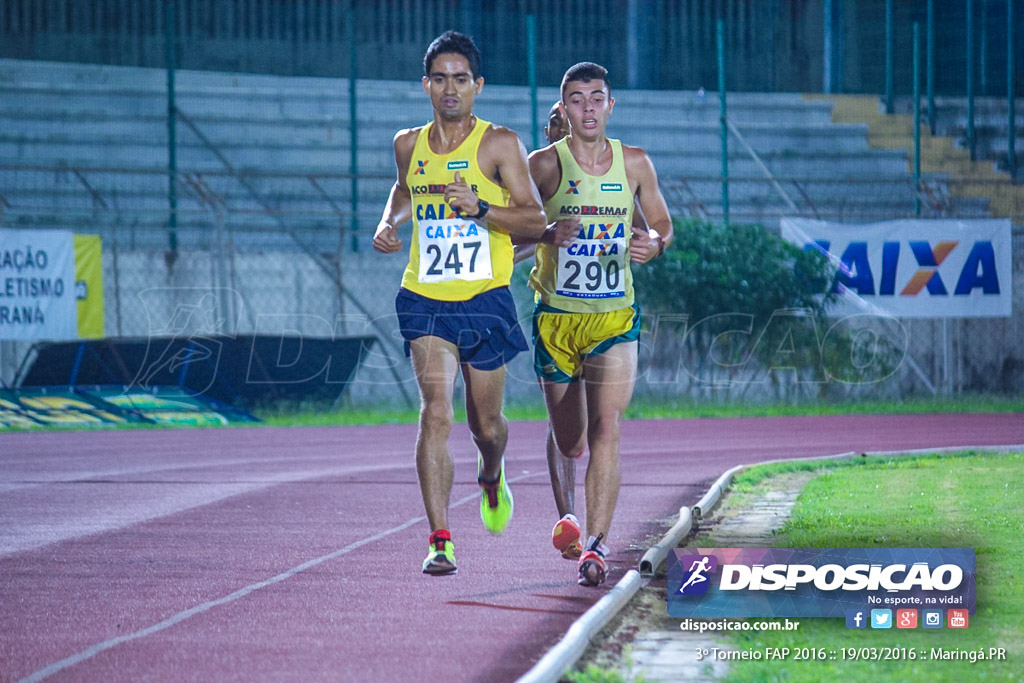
(610, 378)
(567, 425)
(567, 413)
(563, 476)
(436, 364)
(485, 391)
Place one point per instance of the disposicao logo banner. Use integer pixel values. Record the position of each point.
(815, 582)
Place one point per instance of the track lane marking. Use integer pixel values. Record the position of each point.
(99, 648)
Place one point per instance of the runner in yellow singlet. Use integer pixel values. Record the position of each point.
(586, 323)
(466, 186)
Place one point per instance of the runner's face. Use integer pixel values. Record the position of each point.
(587, 106)
(451, 86)
(557, 128)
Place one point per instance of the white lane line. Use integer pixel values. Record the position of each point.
(38, 522)
(91, 652)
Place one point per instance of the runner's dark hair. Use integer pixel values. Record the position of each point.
(453, 42)
(586, 71)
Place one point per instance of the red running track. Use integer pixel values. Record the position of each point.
(293, 553)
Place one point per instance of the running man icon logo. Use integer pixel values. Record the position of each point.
(695, 580)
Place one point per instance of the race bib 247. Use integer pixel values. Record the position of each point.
(453, 249)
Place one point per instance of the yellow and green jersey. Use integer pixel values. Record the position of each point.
(453, 258)
(591, 275)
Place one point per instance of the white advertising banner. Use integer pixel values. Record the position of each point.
(37, 285)
(915, 268)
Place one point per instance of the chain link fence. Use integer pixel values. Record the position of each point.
(271, 235)
(229, 281)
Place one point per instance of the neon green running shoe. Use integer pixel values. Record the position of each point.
(495, 499)
(441, 558)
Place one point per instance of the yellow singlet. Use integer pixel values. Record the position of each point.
(453, 258)
(592, 275)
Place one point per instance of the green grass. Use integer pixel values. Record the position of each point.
(927, 501)
(595, 674)
(642, 407)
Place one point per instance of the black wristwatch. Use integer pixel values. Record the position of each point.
(484, 208)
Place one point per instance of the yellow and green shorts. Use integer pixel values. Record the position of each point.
(562, 340)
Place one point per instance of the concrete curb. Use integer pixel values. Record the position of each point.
(570, 648)
(653, 558)
(563, 655)
(656, 554)
(714, 494)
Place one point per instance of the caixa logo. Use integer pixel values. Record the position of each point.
(697, 569)
(855, 272)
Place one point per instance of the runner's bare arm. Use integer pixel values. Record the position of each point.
(502, 156)
(650, 243)
(399, 206)
(523, 251)
(547, 175)
(639, 220)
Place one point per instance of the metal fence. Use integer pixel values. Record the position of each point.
(274, 245)
(775, 45)
(288, 277)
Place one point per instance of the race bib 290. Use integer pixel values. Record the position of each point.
(593, 266)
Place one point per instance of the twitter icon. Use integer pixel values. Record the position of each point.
(881, 618)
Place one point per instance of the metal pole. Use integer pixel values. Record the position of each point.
(983, 50)
(970, 80)
(171, 48)
(931, 66)
(531, 66)
(917, 119)
(838, 84)
(829, 38)
(1011, 123)
(725, 128)
(947, 358)
(889, 47)
(353, 126)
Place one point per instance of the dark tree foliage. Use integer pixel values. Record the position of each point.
(755, 308)
(713, 269)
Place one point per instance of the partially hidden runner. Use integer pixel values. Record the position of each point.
(586, 322)
(466, 186)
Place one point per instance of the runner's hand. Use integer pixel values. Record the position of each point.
(460, 196)
(561, 233)
(385, 240)
(644, 245)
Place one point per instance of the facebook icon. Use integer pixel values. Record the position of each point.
(855, 618)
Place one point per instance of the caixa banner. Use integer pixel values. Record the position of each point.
(814, 582)
(915, 268)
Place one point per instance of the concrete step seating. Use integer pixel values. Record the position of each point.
(970, 182)
(89, 143)
(991, 126)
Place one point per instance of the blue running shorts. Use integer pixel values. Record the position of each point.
(485, 328)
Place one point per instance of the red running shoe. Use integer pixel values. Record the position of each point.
(592, 565)
(566, 537)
